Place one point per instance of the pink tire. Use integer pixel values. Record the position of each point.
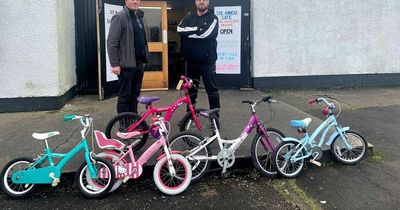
(172, 185)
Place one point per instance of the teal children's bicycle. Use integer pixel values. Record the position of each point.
(21, 176)
(347, 146)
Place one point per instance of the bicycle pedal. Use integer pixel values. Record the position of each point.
(315, 162)
(225, 175)
(55, 182)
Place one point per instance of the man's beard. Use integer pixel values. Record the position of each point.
(202, 9)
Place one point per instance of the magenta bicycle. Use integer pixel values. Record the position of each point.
(197, 149)
(172, 172)
(128, 122)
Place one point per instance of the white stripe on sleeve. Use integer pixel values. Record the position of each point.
(207, 33)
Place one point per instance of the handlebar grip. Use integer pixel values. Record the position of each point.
(69, 117)
(311, 101)
(247, 102)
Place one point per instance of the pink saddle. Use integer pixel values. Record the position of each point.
(105, 143)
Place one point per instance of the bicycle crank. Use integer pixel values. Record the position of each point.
(226, 158)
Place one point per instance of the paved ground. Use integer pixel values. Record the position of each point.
(369, 185)
(375, 183)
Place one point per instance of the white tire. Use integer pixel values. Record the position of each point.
(172, 185)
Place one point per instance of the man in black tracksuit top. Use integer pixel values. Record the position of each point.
(199, 45)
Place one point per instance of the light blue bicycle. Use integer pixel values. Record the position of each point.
(347, 146)
(94, 178)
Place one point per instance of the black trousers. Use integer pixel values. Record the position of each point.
(130, 83)
(207, 72)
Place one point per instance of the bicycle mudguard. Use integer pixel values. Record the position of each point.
(290, 139)
(172, 152)
(334, 134)
(36, 176)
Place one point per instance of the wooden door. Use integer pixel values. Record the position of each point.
(155, 20)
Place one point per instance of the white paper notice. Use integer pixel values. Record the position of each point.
(229, 39)
(109, 11)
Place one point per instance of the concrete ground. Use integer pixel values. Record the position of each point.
(372, 183)
(375, 182)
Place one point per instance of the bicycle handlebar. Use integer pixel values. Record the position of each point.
(265, 99)
(83, 119)
(317, 100)
(185, 81)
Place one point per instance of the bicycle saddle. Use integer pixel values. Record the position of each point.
(148, 100)
(43, 136)
(209, 113)
(300, 123)
(105, 143)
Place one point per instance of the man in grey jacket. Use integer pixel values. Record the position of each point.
(128, 51)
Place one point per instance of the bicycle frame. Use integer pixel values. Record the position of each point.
(170, 110)
(324, 128)
(253, 122)
(41, 175)
(134, 169)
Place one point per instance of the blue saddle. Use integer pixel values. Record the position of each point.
(300, 123)
(148, 100)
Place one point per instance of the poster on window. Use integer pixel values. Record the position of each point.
(229, 39)
(109, 11)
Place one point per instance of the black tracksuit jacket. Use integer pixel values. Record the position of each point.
(199, 33)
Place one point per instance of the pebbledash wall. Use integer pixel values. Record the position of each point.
(302, 43)
(37, 54)
(319, 43)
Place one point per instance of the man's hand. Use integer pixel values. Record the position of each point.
(116, 70)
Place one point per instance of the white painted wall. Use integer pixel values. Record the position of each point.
(325, 37)
(37, 48)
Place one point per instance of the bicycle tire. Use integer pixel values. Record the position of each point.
(187, 124)
(126, 119)
(338, 154)
(188, 140)
(277, 157)
(5, 179)
(96, 190)
(263, 163)
(183, 174)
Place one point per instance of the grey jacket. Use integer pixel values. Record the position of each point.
(120, 41)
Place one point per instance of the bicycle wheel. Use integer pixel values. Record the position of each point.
(121, 123)
(281, 160)
(187, 123)
(113, 157)
(261, 155)
(186, 142)
(8, 186)
(349, 156)
(95, 187)
(166, 182)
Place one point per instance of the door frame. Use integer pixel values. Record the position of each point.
(109, 89)
(158, 80)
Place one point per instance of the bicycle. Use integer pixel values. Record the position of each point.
(172, 172)
(20, 176)
(128, 122)
(197, 149)
(347, 146)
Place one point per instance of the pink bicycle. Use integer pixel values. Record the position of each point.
(172, 172)
(128, 121)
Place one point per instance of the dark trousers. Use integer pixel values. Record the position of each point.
(130, 84)
(207, 72)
